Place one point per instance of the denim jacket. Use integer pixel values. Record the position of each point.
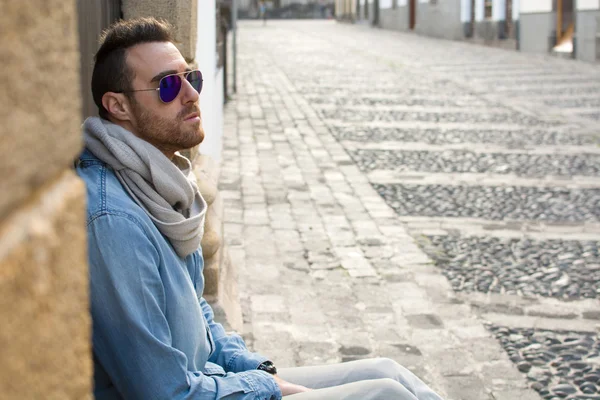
(154, 336)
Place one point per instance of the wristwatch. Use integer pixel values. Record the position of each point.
(268, 366)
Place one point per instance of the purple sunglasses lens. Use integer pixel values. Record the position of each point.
(195, 79)
(169, 88)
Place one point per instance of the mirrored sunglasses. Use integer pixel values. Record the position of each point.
(169, 86)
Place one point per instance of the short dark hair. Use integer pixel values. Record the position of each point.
(111, 73)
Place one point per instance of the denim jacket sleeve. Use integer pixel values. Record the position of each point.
(230, 350)
(131, 335)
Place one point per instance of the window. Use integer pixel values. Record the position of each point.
(487, 13)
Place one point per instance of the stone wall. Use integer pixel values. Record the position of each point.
(182, 14)
(45, 350)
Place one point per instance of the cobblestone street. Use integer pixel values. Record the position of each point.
(434, 202)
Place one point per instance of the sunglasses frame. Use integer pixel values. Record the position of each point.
(184, 75)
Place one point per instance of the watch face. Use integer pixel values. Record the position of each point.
(268, 367)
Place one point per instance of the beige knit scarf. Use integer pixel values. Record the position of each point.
(164, 188)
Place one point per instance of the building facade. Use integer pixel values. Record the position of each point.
(567, 27)
(286, 9)
(537, 26)
(488, 21)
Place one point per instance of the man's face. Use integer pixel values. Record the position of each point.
(170, 126)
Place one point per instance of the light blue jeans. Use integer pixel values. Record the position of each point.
(376, 378)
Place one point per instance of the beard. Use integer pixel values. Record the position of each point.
(169, 135)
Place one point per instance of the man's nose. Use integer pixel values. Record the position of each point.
(189, 93)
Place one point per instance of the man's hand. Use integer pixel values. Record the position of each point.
(288, 388)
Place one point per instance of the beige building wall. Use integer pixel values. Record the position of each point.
(45, 350)
(182, 14)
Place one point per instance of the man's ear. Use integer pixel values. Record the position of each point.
(117, 105)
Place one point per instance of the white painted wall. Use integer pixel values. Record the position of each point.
(206, 57)
(383, 4)
(218, 98)
(479, 10)
(583, 5)
(535, 6)
(499, 10)
(402, 3)
(465, 10)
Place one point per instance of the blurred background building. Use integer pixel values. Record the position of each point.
(566, 28)
(287, 9)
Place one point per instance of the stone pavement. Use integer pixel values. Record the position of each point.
(433, 202)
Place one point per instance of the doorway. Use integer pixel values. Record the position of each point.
(412, 14)
(565, 26)
(565, 21)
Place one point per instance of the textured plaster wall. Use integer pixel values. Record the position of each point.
(45, 333)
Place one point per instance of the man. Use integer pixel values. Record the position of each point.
(262, 10)
(154, 336)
